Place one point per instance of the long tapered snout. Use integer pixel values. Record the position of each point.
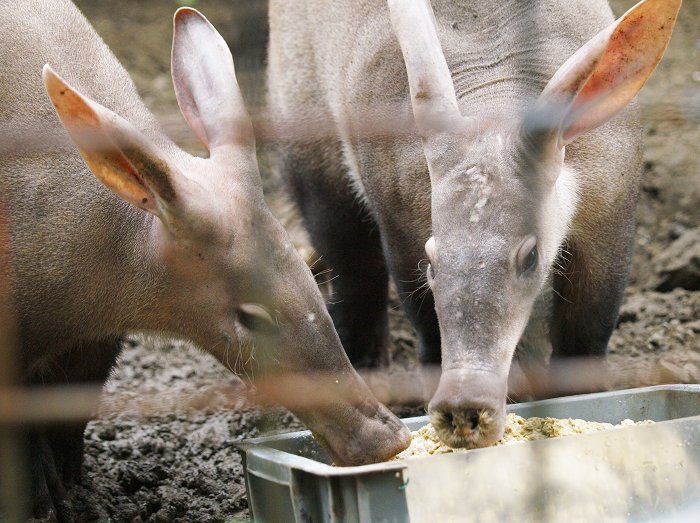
(468, 408)
(300, 362)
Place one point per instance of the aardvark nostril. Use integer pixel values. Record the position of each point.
(474, 418)
(448, 420)
(461, 421)
(466, 422)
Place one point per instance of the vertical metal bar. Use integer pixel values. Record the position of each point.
(12, 467)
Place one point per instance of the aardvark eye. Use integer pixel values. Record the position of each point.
(256, 319)
(528, 256)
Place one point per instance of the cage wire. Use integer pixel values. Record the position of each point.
(21, 406)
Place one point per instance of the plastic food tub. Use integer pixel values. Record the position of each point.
(636, 473)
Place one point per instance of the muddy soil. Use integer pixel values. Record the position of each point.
(173, 459)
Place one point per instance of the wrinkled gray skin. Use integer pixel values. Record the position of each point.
(497, 186)
(202, 258)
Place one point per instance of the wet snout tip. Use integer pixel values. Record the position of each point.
(466, 427)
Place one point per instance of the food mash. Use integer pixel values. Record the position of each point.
(425, 441)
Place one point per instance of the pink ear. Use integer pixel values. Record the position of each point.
(602, 77)
(118, 155)
(205, 83)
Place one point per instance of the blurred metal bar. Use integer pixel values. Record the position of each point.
(370, 122)
(12, 477)
(45, 404)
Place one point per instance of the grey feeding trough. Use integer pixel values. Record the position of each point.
(636, 473)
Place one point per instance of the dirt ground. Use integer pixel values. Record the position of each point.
(178, 463)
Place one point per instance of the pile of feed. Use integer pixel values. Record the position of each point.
(425, 441)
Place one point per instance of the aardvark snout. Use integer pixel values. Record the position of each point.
(468, 409)
(361, 438)
(345, 417)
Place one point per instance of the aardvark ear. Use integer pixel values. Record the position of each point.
(122, 158)
(603, 76)
(206, 86)
(432, 92)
